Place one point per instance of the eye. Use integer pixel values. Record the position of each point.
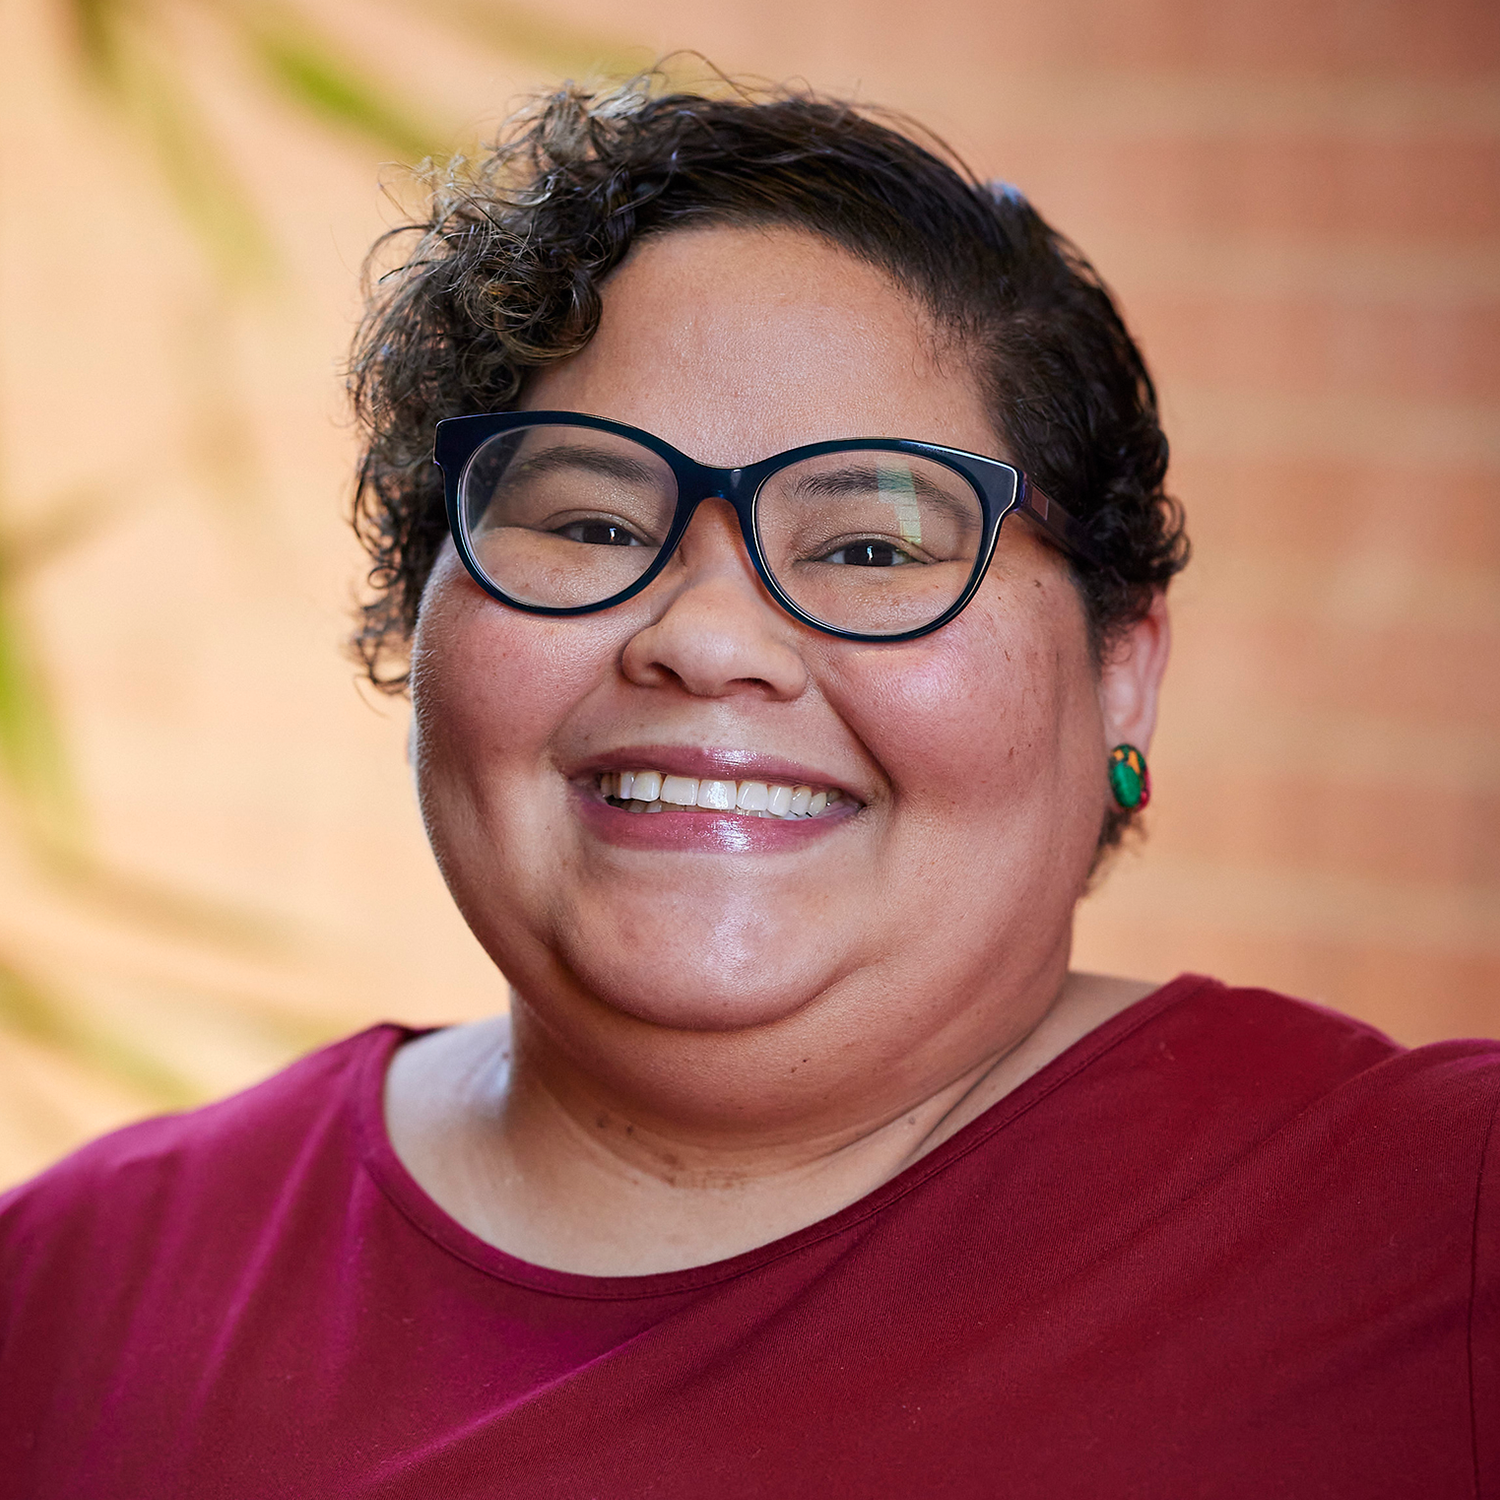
(871, 553)
(596, 533)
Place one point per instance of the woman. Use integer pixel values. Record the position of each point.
(785, 627)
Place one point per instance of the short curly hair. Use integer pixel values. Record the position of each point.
(507, 268)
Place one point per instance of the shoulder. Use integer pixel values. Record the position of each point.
(1292, 1138)
(1286, 1068)
(213, 1165)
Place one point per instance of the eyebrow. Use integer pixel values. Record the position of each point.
(830, 483)
(564, 456)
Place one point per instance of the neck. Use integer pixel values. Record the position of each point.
(550, 1163)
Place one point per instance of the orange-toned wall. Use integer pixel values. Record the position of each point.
(1299, 206)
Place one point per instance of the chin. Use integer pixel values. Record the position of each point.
(703, 992)
(709, 956)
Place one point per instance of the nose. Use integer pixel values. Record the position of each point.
(714, 630)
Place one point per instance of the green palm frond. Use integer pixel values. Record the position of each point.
(310, 71)
(33, 762)
(29, 1008)
(34, 765)
(524, 33)
(128, 54)
(96, 33)
(127, 51)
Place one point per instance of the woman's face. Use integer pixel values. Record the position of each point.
(939, 890)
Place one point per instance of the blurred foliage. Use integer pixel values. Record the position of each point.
(132, 53)
(32, 758)
(552, 46)
(143, 61)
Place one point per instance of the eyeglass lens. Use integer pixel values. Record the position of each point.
(862, 540)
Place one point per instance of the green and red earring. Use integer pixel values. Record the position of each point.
(1129, 779)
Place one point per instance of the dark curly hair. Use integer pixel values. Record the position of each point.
(506, 272)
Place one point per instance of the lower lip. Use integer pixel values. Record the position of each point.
(709, 832)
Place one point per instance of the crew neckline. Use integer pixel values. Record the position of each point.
(423, 1212)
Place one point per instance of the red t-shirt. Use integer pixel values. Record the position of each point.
(1227, 1245)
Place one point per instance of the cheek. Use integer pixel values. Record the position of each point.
(997, 710)
(489, 685)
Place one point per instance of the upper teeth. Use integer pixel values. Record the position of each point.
(652, 791)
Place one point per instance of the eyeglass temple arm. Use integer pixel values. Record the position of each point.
(1057, 523)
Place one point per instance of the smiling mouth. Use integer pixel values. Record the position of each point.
(655, 791)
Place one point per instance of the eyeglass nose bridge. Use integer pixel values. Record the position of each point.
(738, 489)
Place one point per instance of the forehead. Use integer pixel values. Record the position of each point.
(736, 343)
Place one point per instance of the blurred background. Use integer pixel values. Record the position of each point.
(210, 859)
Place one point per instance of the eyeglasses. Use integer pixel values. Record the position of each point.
(868, 539)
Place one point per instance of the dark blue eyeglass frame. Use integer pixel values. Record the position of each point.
(1001, 488)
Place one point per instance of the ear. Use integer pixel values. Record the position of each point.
(1130, 679)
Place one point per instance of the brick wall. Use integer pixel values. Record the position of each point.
(1299, 205)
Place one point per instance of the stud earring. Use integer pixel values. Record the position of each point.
(1129, 779)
